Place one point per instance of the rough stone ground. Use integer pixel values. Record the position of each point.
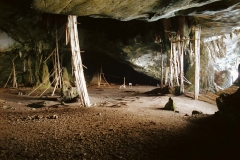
(122, 124)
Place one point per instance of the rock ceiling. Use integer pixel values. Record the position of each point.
(215, 16)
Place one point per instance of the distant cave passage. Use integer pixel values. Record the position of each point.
(113, 70)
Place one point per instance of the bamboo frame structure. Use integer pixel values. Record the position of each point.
(72, 36)
(100, 76)
(176, 62)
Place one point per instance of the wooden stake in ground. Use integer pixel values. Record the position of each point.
(14, 73)
(197, 61)
(72, 36)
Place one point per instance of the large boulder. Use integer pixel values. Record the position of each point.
(229, 105)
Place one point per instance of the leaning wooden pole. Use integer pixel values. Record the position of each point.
(72, 36)
(197, 61)
(14, 73)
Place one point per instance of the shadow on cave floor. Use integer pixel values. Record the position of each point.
(210, 137)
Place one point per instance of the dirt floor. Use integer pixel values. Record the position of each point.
(121, 124)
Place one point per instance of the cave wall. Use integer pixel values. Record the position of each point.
(7, 43)
(224, 57)
(138, 44)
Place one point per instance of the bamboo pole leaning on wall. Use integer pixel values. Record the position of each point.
(197, 61)
(72, 36)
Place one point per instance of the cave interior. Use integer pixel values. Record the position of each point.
(150, 56)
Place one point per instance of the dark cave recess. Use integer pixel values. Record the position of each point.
(113, 70)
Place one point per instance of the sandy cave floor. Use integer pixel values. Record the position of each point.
(122, 124)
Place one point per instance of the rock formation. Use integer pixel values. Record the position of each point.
(137, 33)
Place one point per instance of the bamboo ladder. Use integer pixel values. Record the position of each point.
(72, 36)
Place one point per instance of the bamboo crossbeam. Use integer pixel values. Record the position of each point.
(50, 54)
(41, 83)
(8, 79)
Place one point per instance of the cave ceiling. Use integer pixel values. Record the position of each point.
(215, 16)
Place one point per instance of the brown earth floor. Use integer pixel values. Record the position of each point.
(122, 124)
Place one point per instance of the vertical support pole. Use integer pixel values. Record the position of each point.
(197, 61)
(166, 75)
(180, 52)
(171, 66)
(175, 66)
(72, 36)
(59, 80)
(30, 69)
(14, 73)
(181, 69)
(161, 70)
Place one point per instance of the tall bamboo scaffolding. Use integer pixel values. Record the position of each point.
(197, 61)
(72, 36)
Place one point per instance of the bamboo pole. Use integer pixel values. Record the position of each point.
(197, 61)
(50, 54)
(175, 63)
(56, 84)
(72, 36)
(58, 61)
(171, 69)
(180, 52)
(161, 71)
(166, 75)
(8, 79)
(42, 83)
(14, 73)
(181, 69)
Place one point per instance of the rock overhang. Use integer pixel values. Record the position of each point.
(219, 15)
